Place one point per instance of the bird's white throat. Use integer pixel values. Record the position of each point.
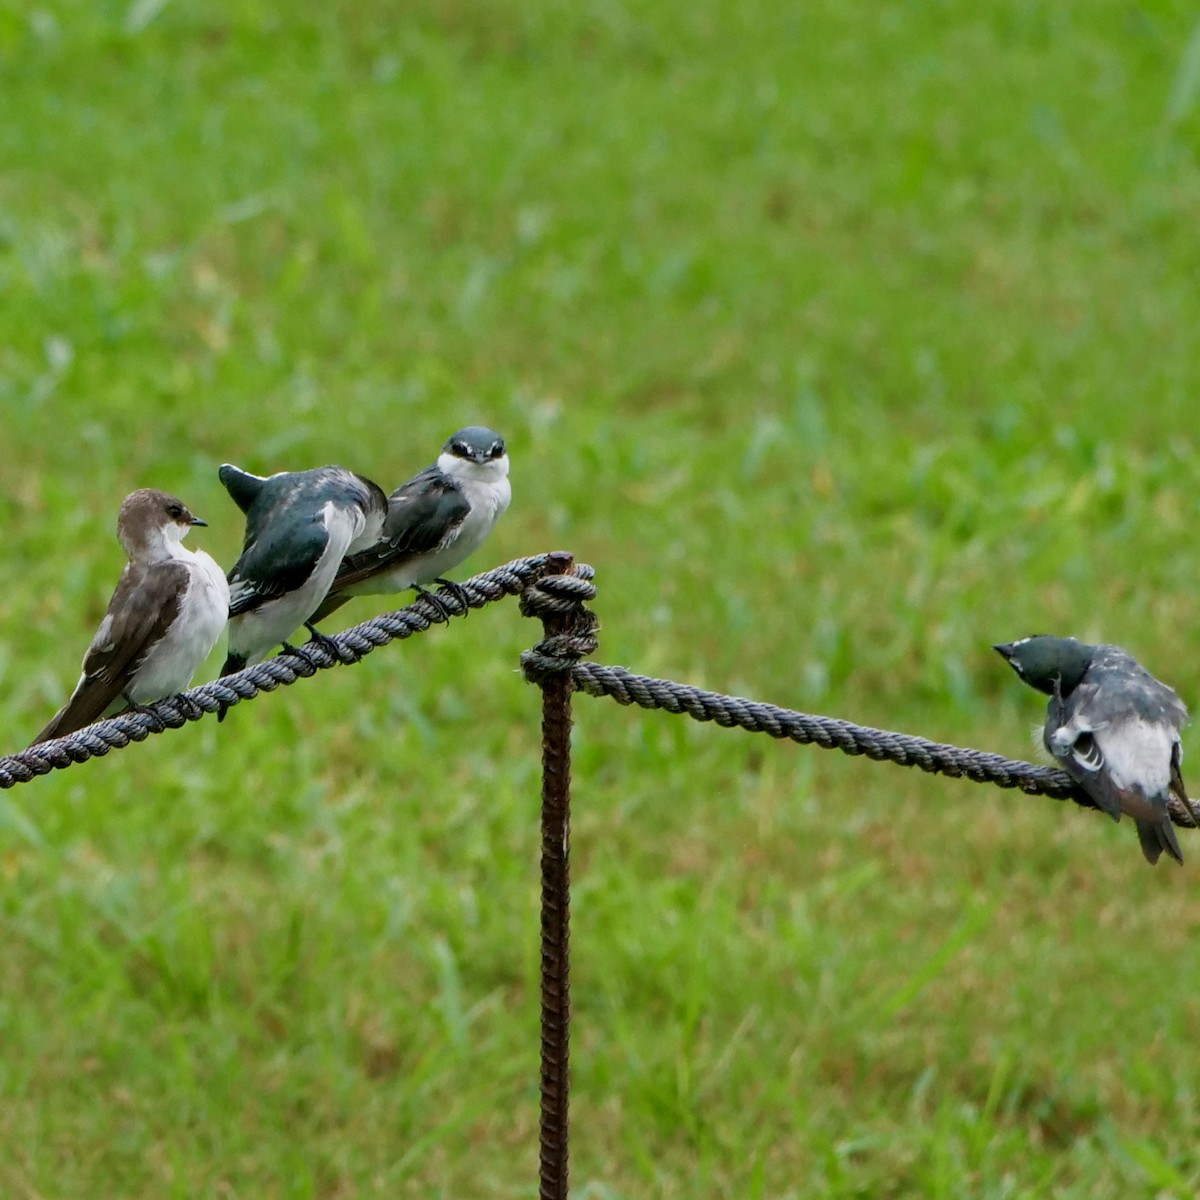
(466, 471)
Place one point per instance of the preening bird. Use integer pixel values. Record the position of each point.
(434, 521)
(1113, 728)
(299, 527)
(168, 610)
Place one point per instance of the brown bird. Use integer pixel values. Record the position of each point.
(166, 614)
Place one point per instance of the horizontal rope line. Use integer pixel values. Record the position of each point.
(881, 745)
(351, 646)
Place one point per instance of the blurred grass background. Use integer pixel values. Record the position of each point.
(843, 339)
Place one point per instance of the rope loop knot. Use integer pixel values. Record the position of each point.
(559, 595)
(559, 600)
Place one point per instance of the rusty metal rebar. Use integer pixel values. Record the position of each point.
(569, 633)
(556, 928)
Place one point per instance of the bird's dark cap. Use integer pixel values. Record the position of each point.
(1008, 649)
(475, 442)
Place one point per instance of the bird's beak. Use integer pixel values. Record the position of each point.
(1004, 649)
(197, 521)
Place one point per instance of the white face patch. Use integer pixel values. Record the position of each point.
(492, 469)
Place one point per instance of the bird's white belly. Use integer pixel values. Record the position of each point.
(1138, 752)
(256, 633)
(170, 666)
(471, 535)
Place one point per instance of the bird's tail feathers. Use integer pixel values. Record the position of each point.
(1157, 836)
(88, 704)
(242, 486)
(57, 727)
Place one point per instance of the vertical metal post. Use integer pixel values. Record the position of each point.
(556, 913)
(559, 599)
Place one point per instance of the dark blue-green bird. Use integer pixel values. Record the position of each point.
(299, 527)
(1113, 728)
(434, 521)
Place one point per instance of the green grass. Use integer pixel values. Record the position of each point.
(843, 339)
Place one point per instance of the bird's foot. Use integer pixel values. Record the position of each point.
(457, 591)
(145, 710)
(299, 652)
(435, 600)
(328, 644)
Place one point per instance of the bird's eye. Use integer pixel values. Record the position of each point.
(497, 450)
(175, 510)
(460, 448)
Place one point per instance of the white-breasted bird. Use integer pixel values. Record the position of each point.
(167, 612)
(434, 521)
(1113, 728)
(299, 527)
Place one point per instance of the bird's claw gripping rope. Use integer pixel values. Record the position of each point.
(455, 589)
(435, 600)
(324, 641)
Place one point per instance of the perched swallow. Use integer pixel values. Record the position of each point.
(434, 521)
(1114, 729)
(299, 526)
(166, 614)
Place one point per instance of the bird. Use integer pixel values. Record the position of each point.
(434, 521)
(1112, 727)
(167, 612)
(299, 527)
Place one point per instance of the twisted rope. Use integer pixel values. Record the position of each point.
(879, 744)
(350, 646)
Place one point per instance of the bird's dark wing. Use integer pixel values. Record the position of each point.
(1157, 836)
(423, 515)
(1069, 736)
(278, 560)
(144, 606)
